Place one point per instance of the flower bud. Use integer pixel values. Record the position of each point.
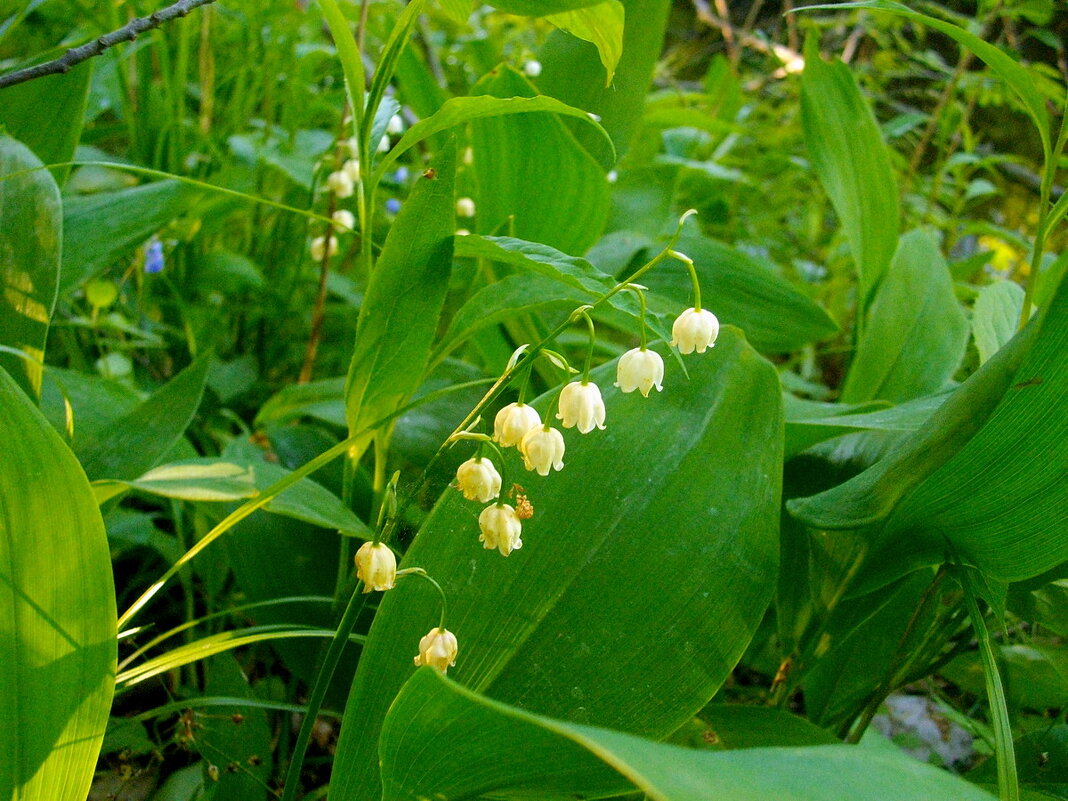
(500, 528)
(478, 480)
(640, 369)
(384, 144)
(376, 566)
(543, 448)
(345, 219)
(351, 168)
(395, 126)
(438, 649)
(694, 330)
(340, 183)
(532, 68)
(319, 247)
(465, 207)
(352, 144)
(581, 405)
(513, 422)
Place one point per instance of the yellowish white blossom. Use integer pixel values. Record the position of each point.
(640, 369)
(437, 648)
(513, 422)
(341, 184)
(694, 329)
(581, 405)
(376, 566)
(501, 528)
(478, 480)
(543, 449)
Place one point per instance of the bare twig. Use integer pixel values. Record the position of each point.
(127, 33)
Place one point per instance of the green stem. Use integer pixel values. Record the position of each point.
(1008, 784)
(641, 317)
(589, 350)
(693, 277)
(421, 573)
(322, 684)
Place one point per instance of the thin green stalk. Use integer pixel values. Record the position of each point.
(322, 684)
(349, 55)
(589, 351)
(1008, 783)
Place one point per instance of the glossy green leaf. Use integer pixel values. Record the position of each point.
(46, 115)
(58, 662)
(459, 110)
(730, 726)
(916, 332)
(620, 105)
(30, 239)
(208, 480)
(741, 291)
(324, 400)
(247, 742)
(83, 403)
(1035, 676)
(399, 316)
(612, 551)
(535, 181)
(1042, 763)
(131, 444)
(445, 742)
(1016, 76)
(980, 445)
(996, 315)
(602, 25)
(852, 162)
(100, 229)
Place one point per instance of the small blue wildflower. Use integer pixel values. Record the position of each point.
(393, 205)
(402, 175)
(154, 257)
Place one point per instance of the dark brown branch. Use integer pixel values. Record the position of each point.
(127, 33)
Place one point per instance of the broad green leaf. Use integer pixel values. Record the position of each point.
(601, 25)
(30, 239)
(916, 332)
(131, 444)
(731, 726)
(457, 10)
(614, 550)
(57, 635)
(539, 8)
(620, 106)
(980, 445)
(852, 162)
(1016, 76)
(445, 742)
(459, 110)
(46, 115)
(100, 229)
(399, 316)
(995, 318)
(81, 404)
(1035, 676)
(535, 181)
(811, 422)
(741, 291)
(210, 480)
(247, 742)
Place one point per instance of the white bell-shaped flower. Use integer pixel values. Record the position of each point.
(345, 219)
(376, 566)
(351, 168)
(501, 528)
(341, 184)
(395, 126)
(532, 68)
(581, 405)
(478, 480)
(319, 247)
(438, 649)
(694, 329)
(543, 449)
(640, 369)
(465, 207)
(513, 422)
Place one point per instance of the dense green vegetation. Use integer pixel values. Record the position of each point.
(740, 329)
